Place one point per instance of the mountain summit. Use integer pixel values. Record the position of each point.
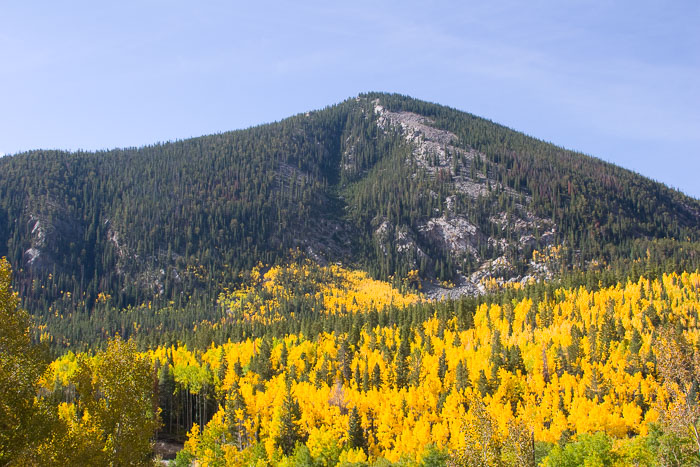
(394, 185)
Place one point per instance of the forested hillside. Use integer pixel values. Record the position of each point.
(385, 183)
(527, 376)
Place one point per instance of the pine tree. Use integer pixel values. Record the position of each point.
(345, 355)
(635, 342)
(261, 363)
(284, 354)
(290, 431)
(358, 378)
(402, 362)
(366, 378)
(496, 349)
(461, 376)
(442, 366)
(597, 388)
(292, 373)
(356, 436)
(238, 368)
(495, 380)
(457, 342)
(376, 377)
(482, 384)
(322, 374)
(223, 368)
(515, 360)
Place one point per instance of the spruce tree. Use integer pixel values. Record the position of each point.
(356, 436)
(261, 363)
(366, 378)
(461, 376)
(290, 432)
(376, 377)
(482, 384)
(402, 361)
(442, 366)
(284, 355)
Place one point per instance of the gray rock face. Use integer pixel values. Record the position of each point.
(454, 234)
(50, 226)
(439, 153)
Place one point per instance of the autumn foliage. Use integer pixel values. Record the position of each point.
(554, 376)
(542, 371)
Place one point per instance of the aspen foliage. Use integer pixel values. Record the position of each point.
(490, 386)
(527, 371)
(270, 294)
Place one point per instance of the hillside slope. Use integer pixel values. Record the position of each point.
(383, 182)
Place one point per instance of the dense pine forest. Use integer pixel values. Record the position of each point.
(381, 282)
(381, 182)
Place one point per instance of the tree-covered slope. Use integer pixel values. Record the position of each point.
(504, 382)
(384, 182)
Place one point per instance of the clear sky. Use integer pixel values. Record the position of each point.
(619, 80)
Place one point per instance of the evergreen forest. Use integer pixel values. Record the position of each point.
(382, 282)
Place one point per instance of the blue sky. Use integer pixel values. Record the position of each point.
(617, 80)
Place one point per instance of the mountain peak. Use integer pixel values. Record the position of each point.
(385, 182)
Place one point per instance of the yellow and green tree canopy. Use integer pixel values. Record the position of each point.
(549, 370)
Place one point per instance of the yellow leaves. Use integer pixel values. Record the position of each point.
(66, 412)
(413, 279)
(353, 456)
(62, 370)
(595, 381)
(193, 439)
(631, 415)
(321, 440)
(328, 289)
(105, 297)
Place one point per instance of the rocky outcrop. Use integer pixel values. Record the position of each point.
(51, 228)
(439, 153)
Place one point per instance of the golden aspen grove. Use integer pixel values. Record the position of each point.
(509, 383)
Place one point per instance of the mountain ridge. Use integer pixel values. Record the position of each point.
(384, 182)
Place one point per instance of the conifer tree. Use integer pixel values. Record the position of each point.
(345, 354)
(482, 384)
(223, 369)
(402, 361)
(356, 436)
(284, 355)
(262, 363)
(290, 431)
(376, 377)
(442, 366)
(366, 378)
(461, 376)
(358, 377)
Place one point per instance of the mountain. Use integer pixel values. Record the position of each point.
(381, 182)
